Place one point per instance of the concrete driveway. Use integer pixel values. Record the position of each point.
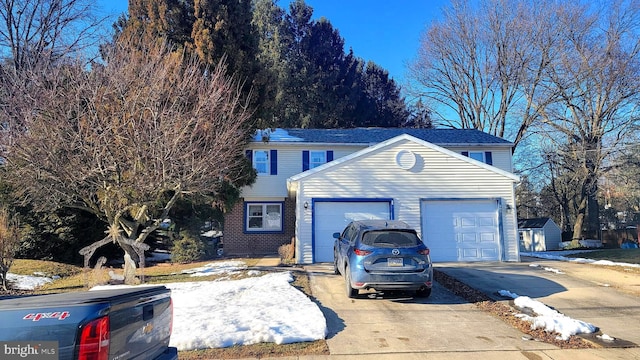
(446, 326)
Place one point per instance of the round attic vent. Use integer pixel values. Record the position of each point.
(406, 159)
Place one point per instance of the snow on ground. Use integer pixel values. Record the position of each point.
(211, 314)
(548, 319)
(26, 282)
(215, 314)
(566, 256)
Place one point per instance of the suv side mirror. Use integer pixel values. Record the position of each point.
(336, 235)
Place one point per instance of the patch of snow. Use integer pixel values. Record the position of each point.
(549, 319)
(215, 314)
(217, 268)
(26, 282)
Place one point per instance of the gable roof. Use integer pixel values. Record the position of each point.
(296, 178)
(360, 136)
(533, 223)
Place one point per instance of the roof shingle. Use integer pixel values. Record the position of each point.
(377, 135)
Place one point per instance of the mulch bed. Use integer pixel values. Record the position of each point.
(507, 314)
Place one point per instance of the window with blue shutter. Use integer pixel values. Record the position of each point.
(313, 158)
(264, 161)
(484, 157)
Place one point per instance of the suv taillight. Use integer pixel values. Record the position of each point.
(423, 252)
(361, 252)
(94, 340)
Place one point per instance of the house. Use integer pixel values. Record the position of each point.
(540, 234)
(456, 187)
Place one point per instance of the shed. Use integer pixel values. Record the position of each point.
(539, 234)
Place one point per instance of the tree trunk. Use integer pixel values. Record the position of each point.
(3, 274)
(580, 216)
(131, 261)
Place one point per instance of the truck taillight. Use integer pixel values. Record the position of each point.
(94, 340)
(423, 252)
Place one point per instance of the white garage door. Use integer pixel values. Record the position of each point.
(461, 230)
(333, 216)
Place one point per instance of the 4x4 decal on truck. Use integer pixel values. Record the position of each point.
(60, 315)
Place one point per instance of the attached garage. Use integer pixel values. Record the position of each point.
(333, 215)
(462, 230)
(463, 208)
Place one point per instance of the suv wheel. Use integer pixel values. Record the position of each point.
(351, 292)
(336, 271)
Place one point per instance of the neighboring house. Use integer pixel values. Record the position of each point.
(456, 187)
(540, 234)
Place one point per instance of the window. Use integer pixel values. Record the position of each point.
(261, 161)
(314, 158)
(261, 217)
(264, 161)
(482, 156)
(317, 158)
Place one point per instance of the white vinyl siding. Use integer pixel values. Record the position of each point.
(289, 164)
(500, 156)
(435, 174)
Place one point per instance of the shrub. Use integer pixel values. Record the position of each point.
(286, 252)
(187, 248)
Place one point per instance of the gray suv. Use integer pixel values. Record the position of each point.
(382, 255)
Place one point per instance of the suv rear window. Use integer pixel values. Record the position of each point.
(390, 239)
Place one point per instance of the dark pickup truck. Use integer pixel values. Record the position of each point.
(114, 324)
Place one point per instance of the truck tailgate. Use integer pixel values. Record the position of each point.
(139, 320)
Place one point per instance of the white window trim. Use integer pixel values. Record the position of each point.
(267, 162)
(264, 228)
(319, 153)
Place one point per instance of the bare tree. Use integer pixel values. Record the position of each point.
(37, 30)
(127, 139)
(483, 64)
(594, 80)
(9, 243)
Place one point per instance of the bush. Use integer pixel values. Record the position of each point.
(188, 248)
(287, 253)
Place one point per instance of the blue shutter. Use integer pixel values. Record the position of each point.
(274, 162)
(487, 158)
(305, 160)
(329, 155)
(465, 153)
(249, 154)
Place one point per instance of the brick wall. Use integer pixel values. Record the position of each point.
(237, 242)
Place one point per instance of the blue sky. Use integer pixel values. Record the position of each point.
(383, 31)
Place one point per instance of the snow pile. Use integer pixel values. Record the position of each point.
(548, 319)
(215, 314)
(549, 269)
(241, 312)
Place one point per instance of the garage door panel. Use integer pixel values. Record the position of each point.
(333, 216)
(488, 238)
(461, 230)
